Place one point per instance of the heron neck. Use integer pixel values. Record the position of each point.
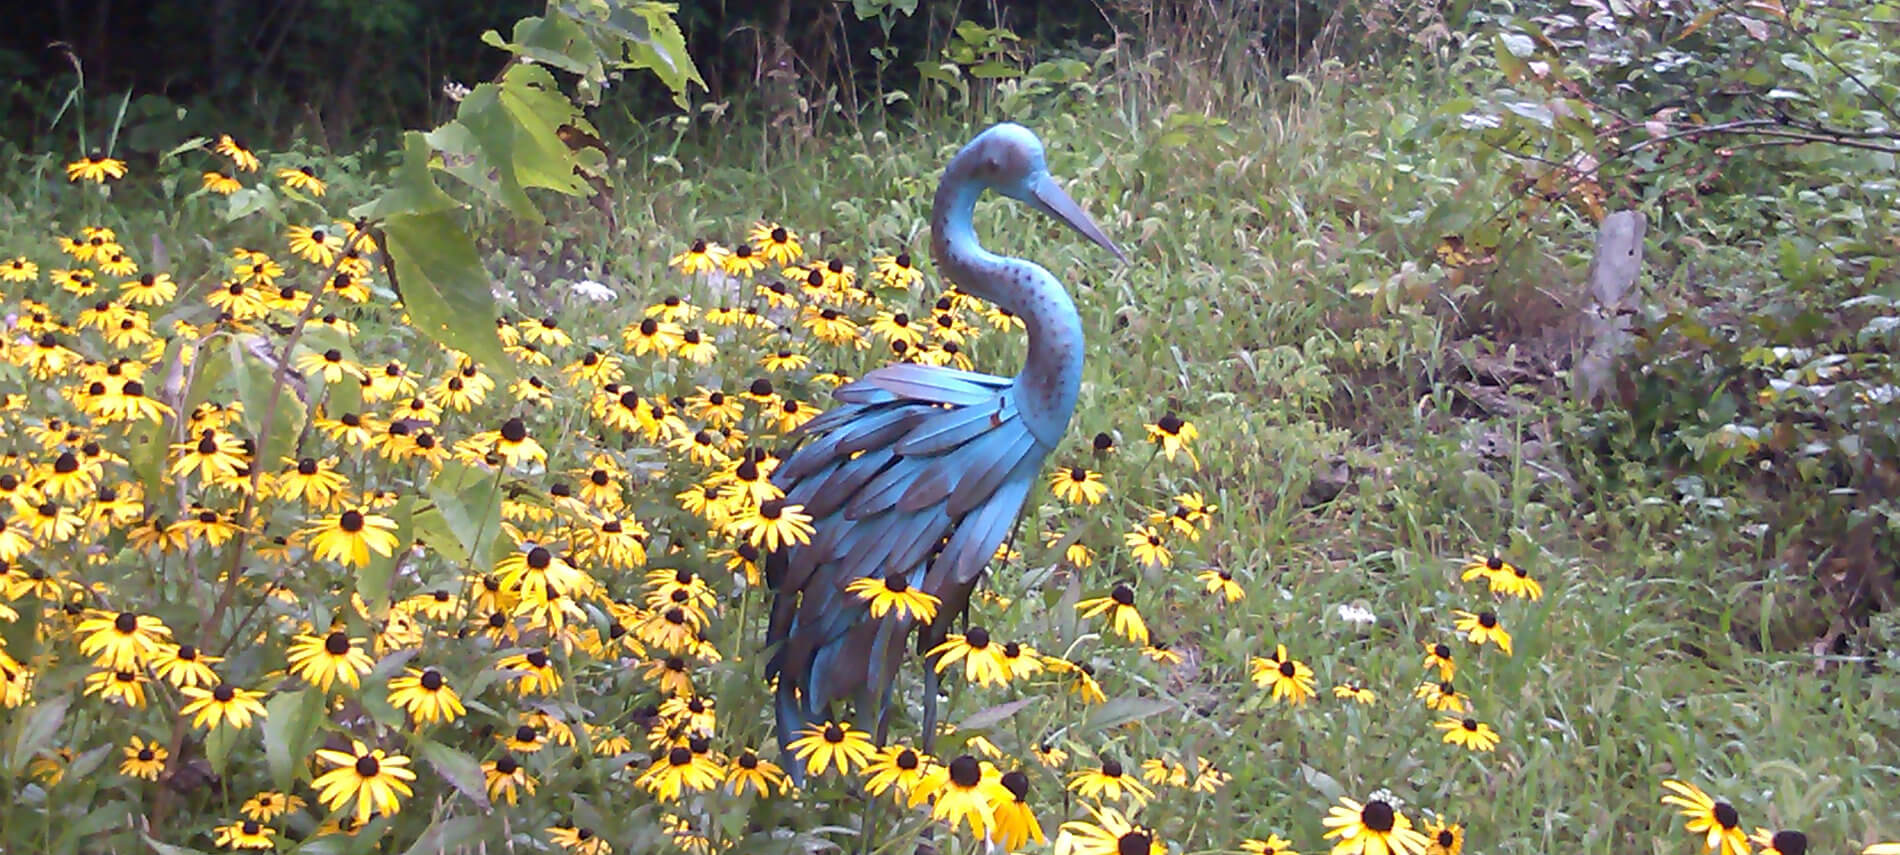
(1051, 376)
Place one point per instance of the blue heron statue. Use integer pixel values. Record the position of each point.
(920, 472)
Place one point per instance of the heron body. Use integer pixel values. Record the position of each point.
(921, 472)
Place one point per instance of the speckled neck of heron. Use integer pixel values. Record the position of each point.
(1051, 375)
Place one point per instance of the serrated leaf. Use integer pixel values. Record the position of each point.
(444, 288)
(460, 770)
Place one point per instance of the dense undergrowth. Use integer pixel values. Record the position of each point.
(1360, 285)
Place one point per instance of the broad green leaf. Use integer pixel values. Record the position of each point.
(1120, 711)
(469, 502)
(372, 580)
(460, 770)
(444, 287)
(290, 733)
(995, 715)
(167, 848)
(448, 835)
(555, 40)
(218, 745)
(412, 187)
(36, 729)
(255, 380)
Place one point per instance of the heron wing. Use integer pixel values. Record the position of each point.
(920, 472)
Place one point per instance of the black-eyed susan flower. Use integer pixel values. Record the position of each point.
(374, 779)
(1077, 485)
(1375, 827)
(1290, 680)
(1438, 655)
(896, 271)
(1356, 693)
(981, 656)
(680, 770)
(1119, 608)
(220, 183)
(579, 840)
(215, 456)
(1078, 677)
(750, 771)
(143, 759)
(1108, 832)
(1468, 733)
(1447, 838)
(534, 672)
(898, 770)
(507, 780)
(894, 594)
(322, 660)
(349, 538)
(1274, 844)
(1719, 824)
(743, 260)
(1172, 435)
(150, 289)
(96, 168)
(1483, 628)
(1219, 581)
(784, 359)
(1784, 842)
(1015, 825)
(772, 525)
(126, 687)
(962, 792)
(121, 640)
(1110, 782)
(18, 269)
(1442, 696)
(184, 666)
(824, 745)
(1147, 546)
(1503, 577)
(245, 834)
(777, 243)
(270, 804)
(241, 157)
(222, 704)
(315, 244)
(702, 256)
(302, 178)
(425, 696)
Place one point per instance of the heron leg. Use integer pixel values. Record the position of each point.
(932, 680)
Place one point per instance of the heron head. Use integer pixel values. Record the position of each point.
(1008, 158)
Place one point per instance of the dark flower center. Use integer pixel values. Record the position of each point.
(126, 622)
(906, 760)
(1112, 768)
(367, 766)
(1488, 620)
(223, 694)
(1169, 423)
(187, 653)
(748, 760)
(538, 658)
(146, 755)
(1790, 843)
(1123, 595)
(834, 734)
(514, 431)
(351, 521)
(539, 558)
(1725, 815)
(1378, 816)
(1470, 724)
(66, 464)
(1441, 650)
(1446, 838)
(506, 764)
(1288, 669)
(307, 466)
(977, 638)
(1494, 563)
(524, 733)
(336, 644)
(965, 772)
(1134, 843)
(896, 584)
(431, 679)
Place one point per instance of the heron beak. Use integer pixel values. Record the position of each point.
(1056, 203)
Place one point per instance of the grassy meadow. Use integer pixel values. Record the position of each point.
(1289, 296)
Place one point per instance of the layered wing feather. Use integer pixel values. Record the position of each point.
(920, 472)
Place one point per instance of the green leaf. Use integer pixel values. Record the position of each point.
(36, 730)
(993, 70)
(469, 502)
(447, 835)
(218, 745)
(444, 287)
(1120, 711)
(459, 769)
(248, 201)
(995, 715)
(372, 580)
(290, 733)
(412, 187)
(166, 848)
(255, 379)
